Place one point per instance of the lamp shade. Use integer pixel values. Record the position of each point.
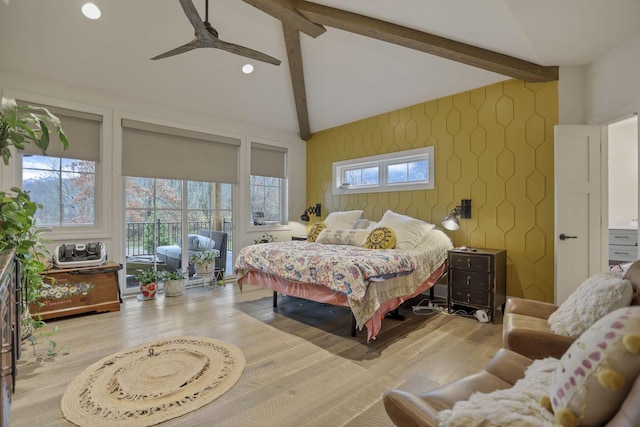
(450, 222)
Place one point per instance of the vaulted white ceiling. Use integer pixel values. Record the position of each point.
(347, 76)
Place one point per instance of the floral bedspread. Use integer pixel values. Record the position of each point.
(342, 268)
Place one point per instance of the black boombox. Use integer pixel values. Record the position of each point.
(69, 255)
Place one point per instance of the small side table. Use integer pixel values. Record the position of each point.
(478, 279)
(298, 237)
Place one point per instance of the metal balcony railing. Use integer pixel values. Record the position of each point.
(143, 237)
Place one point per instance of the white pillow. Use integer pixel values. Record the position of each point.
(597, 296)
(343, 237)
(409, 231)
(200, 243)
(343, 220)
(361, 224)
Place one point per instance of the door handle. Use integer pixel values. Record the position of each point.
(565, 237)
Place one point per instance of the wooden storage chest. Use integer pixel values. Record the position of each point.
(79, 290)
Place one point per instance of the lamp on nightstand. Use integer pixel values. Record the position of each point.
(451, 222)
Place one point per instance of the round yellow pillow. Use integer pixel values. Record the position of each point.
(315, 230)
(381, 238)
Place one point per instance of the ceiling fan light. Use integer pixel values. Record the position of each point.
(247, 68)
(91, 11)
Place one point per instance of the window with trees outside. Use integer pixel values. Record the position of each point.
(268, 184)
(399, 171)
(65, 182)
(64, 187)
(266, 196)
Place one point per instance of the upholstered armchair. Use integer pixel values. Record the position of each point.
(526, 329)
(596, 382)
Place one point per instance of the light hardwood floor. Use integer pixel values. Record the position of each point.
(303, 367)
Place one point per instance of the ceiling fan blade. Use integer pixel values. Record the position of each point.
(245, 51)
(181, 49)
(193, 15)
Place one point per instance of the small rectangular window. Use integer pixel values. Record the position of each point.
(399, 171)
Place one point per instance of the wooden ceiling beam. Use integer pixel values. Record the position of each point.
(285, 11)
(294, 55)
(425, 42)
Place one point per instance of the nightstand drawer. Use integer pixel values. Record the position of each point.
(471, 262)
(470, 279)
(470, 296)
(623, 253)
(623, 237)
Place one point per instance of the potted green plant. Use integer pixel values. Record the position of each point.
(173, 282)
(204, 262)
(17, 227)
(20, 125)
(148, 283)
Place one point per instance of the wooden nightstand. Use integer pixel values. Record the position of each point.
(478, 279)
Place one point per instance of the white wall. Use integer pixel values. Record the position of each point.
(571, 93)
(113, 108)
(623, 173)
(612, 88)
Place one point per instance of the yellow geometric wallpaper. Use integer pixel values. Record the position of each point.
(493, 145)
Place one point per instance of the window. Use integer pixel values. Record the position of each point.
(64, 187)
(399, 171)
(268, 184)
(65, 182)
(266, 196)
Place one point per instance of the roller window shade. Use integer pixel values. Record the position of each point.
(82, 130)
(268, 160)
(154, 151)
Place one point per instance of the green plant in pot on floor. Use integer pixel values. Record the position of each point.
(148, 283)
(173, 282)
(204, 262)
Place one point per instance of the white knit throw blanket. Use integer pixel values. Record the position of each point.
(515, 407)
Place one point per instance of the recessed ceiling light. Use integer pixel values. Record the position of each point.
(247, 68)
(91, 11)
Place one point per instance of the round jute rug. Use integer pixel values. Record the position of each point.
(153, 382)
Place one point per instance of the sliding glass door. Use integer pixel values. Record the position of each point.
(160, 212)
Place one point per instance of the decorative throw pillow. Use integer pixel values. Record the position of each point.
(409, 231)
(381, 238)
(598, 370)
(343, 237)
(315, 230)
(200, 243)
(598, 295)
(342, 220)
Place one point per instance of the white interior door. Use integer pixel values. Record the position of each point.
(578, 207)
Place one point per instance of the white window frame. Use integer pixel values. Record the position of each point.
(285, 188)
(382, 161)
(102, 229)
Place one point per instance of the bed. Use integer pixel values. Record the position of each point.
(371, 282)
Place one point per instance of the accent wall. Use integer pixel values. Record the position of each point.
(493, 145)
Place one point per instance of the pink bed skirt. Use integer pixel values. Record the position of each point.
(325, 295)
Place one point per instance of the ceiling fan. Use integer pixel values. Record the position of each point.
(207, 36)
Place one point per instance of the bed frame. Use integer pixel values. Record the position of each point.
(325, 295)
